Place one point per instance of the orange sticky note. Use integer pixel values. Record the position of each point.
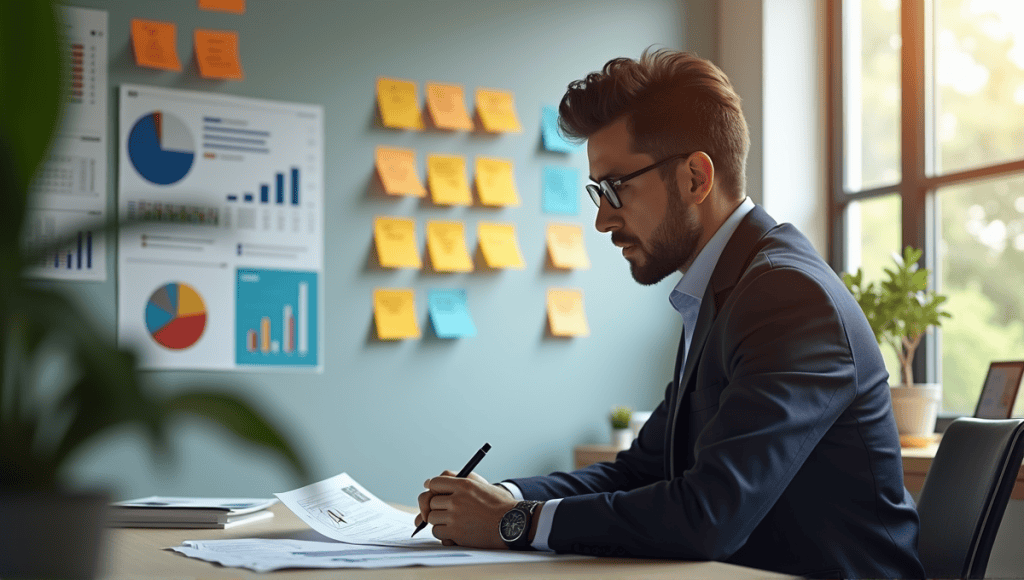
(236, 6)
(446, 175)
(497, 111)
(217, 54)
(396, 242)
(155, 44)
(397, 170)
(399, 104)
(565, 312)
(447, 106)
(565, 246)
(499, 245)
(495, 182)
(394, 312)
(446, 243)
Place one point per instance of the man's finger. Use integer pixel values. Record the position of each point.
(445, 484)
(440, 502)
(424, 503)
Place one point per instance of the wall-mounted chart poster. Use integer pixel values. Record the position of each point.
(220, 261)
(69, 194)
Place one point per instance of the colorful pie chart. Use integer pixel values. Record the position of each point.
(161, 148)
(175, 316)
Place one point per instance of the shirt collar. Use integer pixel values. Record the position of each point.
(689, 291)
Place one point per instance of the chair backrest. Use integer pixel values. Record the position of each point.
(965, 494)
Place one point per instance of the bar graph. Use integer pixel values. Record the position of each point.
(276, 318)
(285, 186)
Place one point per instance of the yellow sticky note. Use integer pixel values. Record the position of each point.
(499, 245)
(397, 170)
(447, 106)
(399, 104)
(495, 182)
(236, 6)
(565, 312)
(394, 311)
(155, 44)
(565, 246)
(446, 175)
(497, 111)
(396, 242)
(217, 54)
(446, 242)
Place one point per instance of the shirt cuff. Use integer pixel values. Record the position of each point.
(547, 516)
(513, 489)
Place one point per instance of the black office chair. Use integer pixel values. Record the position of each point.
(965, 494)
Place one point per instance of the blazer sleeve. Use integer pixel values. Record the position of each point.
(789, 374)
(642, 464)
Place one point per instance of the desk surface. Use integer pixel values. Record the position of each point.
(138, 553)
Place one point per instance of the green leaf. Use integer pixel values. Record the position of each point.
(30, 99)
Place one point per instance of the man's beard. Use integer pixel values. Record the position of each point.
(673, 243)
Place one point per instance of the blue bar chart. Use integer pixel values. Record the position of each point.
(276, 318)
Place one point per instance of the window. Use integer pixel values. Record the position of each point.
(926, 104)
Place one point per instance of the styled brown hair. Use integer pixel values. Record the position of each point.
(676, 102)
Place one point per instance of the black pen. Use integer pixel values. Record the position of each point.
(464, 473)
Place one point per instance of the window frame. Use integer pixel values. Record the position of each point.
(918, 183)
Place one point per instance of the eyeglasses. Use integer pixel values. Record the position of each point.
(605, 188)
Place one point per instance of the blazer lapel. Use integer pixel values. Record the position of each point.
(736, 256)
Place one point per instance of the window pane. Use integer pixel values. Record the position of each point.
(981, 270)
(979, 77)
(872, 237)
(871, 93)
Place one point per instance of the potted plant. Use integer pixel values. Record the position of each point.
(900, 310)
(622, 435)
(62, 382)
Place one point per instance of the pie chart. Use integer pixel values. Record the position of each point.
(161, 148)
(175, 316)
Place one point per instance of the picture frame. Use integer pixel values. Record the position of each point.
(999, 391)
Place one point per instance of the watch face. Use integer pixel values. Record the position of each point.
(513, 525)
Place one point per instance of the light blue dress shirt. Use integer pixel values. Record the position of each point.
(685, 298)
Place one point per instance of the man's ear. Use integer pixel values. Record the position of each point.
(696, 176)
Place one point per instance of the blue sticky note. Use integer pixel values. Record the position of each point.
(561, 190)
(552, 137)
(449, 314)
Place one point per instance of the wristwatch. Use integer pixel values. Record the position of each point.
(514, 526)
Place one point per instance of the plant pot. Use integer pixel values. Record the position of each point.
(51, 534)
(622, 438)
(916, 408)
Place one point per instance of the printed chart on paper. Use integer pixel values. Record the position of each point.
(221, 263)
(69, 193)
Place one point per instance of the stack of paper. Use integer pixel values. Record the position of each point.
(189, 512)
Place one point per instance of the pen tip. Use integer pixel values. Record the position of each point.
(487, 447)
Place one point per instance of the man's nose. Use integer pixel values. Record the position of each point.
(607, 220)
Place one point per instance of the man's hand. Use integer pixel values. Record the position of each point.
(464, 511)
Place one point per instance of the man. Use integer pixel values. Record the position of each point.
(775, 445)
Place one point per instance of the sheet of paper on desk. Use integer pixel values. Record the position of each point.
(262, 555)
(343, 510)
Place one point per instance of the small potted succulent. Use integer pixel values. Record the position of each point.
(900, 310)
(622, 435)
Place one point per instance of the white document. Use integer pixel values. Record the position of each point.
(69, 194)
(343, 510)
(223, 268)
(266, 555)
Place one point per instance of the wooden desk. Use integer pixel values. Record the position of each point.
(916, 461)
(138, 553)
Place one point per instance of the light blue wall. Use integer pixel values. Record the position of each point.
(393, 414)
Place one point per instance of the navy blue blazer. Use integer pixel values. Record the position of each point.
(778, 450)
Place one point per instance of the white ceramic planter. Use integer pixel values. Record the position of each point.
(622, 438)
(916, 408)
